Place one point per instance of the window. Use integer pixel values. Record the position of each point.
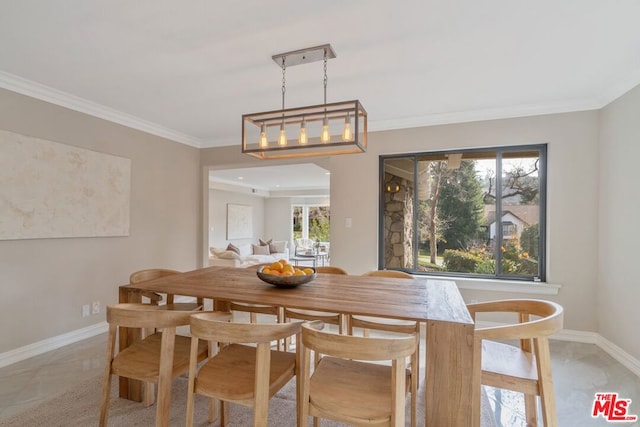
(473, 213)
(311, 222)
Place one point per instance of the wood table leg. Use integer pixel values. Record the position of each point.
(449, 375)
(128, 388)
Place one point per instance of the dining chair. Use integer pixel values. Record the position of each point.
(524, 367)
(158, 358)
(255, 309)
(245, 371)
(329, 269)
(338, 319)
(156, 273)
(391, 325)
(348, 384)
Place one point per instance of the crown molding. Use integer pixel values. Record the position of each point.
(45, 93)
(620, 88)
(483, 115)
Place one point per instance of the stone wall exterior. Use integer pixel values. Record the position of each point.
(398, 222)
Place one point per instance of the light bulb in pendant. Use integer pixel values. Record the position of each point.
(302, 136)
(347, 135)
(264, 142)
(325, 136)
(282, 138)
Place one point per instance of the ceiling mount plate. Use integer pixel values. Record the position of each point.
(304, 56)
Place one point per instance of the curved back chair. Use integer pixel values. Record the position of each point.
(158, 358)
(337, 319)
(331, 270)
(255, 309)
(345, 388)
(156, 273)
(248, 375)
(392, 325)
(388, 273)
(525, 368)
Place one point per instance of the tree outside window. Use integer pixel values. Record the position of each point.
(472, 212)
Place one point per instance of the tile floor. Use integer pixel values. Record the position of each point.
(580, 370)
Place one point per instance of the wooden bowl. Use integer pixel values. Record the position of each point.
(285, 282)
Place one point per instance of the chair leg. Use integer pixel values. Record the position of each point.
(223, 413)
(415, 379)
(545, 382)
(149, 395)
(530, 410)
(106, 377)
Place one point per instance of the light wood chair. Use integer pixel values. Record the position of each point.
(248, 375)
(345, 388)
(156, 273)
(158, 358)
(388, 273)
(329, 269)
(255, 309)
(337, 319)
(392, 325)
(525, 367)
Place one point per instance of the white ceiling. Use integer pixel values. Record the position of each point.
(306, 176)
(188, 70)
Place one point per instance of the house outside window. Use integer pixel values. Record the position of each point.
(439, 213)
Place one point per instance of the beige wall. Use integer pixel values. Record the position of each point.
(218, 200)
(45, 282)
(572, 198)
(618, 283)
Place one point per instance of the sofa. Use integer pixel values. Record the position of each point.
(248, 254)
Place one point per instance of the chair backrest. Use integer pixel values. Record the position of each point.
(257, 266)
(207, 326)
(331, 270)
(150, 274)
(146, 316)
(548, 318)
(389, 273)
(357, 348)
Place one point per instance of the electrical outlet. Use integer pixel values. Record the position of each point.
(95, 307)
(85, 310)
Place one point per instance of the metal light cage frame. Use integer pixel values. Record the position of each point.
(335, 113)
(287, 122)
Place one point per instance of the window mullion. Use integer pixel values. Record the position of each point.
(498, 243)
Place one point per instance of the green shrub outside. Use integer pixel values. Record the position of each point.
(460, 261)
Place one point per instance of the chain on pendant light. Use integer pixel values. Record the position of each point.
(315, 121)
(282, 137)
(325, 135)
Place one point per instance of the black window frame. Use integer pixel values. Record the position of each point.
(500, 150)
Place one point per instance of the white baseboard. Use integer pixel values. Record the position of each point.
(22, 353)
(621, 356)
(28, 351)
(627, 360)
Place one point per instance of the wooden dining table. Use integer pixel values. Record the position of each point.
(436, 303)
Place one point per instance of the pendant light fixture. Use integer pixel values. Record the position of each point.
(315, 125)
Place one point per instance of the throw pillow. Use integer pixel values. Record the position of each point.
(263, 243)
(224, 254)
(260, 250)
(279, 246)
(234, 248)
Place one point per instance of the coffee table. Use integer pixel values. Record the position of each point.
(315, 257)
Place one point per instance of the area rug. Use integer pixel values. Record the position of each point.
(81, 406)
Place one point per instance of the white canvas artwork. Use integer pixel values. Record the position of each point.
(51, 190)
(239, 221)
